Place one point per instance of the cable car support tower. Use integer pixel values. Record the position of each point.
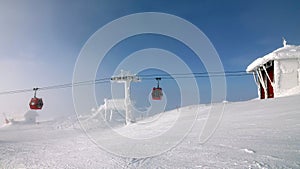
(126, 77)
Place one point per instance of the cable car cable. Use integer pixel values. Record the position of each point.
(143, 77)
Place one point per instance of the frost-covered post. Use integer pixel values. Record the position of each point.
(127, 78)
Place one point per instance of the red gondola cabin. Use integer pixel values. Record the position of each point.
(36, 103)
(157, 91)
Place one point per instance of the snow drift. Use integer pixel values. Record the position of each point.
(252, 134)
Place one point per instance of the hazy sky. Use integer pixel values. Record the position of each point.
(41, 40)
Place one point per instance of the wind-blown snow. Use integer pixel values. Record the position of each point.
(252, 134)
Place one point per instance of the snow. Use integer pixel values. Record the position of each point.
(252, 134)
(249, 151)
(286, 52)
(289, 92)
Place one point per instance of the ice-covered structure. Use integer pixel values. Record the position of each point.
(113, 105)
(30, 117)
(277, 73)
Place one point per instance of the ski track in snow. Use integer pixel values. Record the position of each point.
(256, 134)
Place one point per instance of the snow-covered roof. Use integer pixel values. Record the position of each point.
(286, 52)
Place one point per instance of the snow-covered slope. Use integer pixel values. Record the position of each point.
(252, 134)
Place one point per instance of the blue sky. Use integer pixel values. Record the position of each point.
(41, 40)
